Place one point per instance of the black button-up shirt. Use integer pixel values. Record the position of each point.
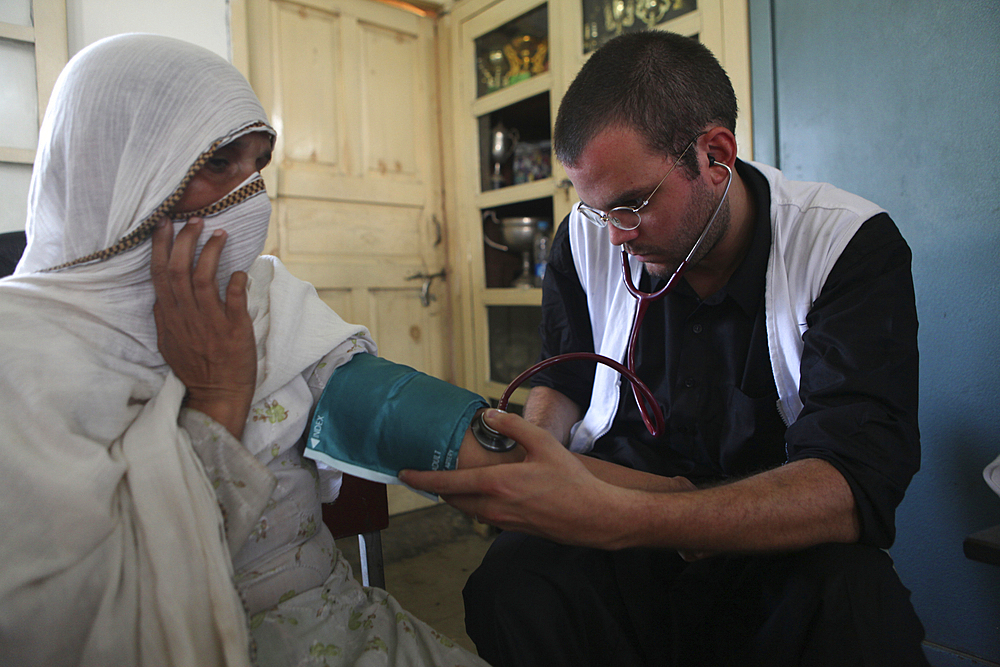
(707, 363)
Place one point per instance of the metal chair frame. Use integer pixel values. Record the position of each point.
(362, 509)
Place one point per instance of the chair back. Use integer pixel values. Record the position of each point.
(12, 246)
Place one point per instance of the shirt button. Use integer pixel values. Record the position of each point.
(696, 328)
(689, 383)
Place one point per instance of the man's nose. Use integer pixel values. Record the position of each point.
(620, 236)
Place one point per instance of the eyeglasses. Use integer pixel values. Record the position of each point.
(626, 218)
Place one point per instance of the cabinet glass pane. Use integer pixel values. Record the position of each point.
(18, 95)
(17, 12)
(604, 19)
(515, 144)
(515, 51)
(14, 181)
(514, 340)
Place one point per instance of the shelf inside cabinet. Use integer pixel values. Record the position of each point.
(512, 53)
(515, 193)
(512, 236)
(602, 21)
(512, 95)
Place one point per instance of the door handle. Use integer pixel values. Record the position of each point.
(425, 290)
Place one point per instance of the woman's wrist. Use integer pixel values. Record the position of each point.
(228, 409)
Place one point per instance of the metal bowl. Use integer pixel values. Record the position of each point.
(519, 233)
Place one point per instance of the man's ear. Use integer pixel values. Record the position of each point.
(720, 144)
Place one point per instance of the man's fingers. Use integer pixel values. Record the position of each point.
(533, 438)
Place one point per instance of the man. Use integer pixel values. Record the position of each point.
(730, 538)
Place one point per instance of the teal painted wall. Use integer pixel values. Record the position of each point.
(899, 102)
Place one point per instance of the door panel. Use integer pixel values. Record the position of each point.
(339, 301)
(351, 88)
(416, 329)
(324, 229)
(309, 42)
(390, 147)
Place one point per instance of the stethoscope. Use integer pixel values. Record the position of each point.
(652, 416)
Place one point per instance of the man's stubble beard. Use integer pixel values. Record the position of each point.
(697, 216)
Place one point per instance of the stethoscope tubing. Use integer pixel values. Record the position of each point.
(650, 411)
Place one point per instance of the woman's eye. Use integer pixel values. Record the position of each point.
(217, 163)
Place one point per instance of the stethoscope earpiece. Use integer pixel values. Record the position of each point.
(711, 160)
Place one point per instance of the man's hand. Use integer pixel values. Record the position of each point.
(579, 500)
(207, 342)
(551, 493)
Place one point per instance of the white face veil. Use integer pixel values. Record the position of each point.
(244, 214)
(126, 128)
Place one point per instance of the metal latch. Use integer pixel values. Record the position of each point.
(425, 291)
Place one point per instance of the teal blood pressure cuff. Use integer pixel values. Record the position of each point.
(375, 418)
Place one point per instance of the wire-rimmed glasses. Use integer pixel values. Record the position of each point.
(626, 218)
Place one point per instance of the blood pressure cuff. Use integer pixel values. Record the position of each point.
(375, 418)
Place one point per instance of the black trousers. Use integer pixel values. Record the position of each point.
(533, 603)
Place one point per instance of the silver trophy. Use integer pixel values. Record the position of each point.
(502, 143)
(519, 235)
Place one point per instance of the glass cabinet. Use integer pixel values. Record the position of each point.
(502, 64)
(513, 52)
(605, 19)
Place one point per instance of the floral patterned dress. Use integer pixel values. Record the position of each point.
(304, 605)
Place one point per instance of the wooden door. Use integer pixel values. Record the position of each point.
(351, 87)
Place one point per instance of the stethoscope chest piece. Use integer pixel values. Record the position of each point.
(490, 439)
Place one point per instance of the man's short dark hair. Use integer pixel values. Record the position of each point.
(666, 86)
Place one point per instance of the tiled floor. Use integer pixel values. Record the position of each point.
(429, 554)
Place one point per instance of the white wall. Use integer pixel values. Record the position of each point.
(202, 22)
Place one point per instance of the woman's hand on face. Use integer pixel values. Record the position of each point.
(207, 342)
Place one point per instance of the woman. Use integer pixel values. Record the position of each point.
(124, 434)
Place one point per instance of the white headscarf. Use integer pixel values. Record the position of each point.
(112, 544)
(128, 122)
